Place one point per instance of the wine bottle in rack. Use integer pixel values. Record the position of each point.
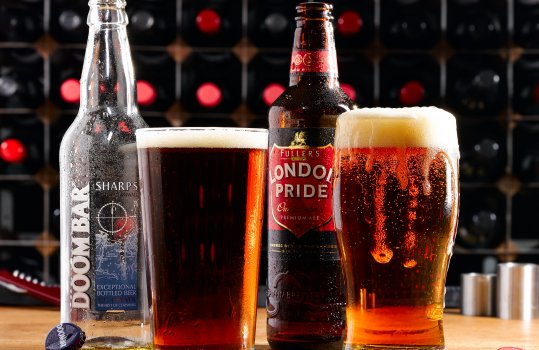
(68, 21)
(526, 151)
(21, 21)
(410, 24)
(66, 67)
(270, 24)
(477, 25)
(19, 201)
(523, 230)
(409, 80)
(152, 23)
(156, 79)
(21, 78)
(211, 82)
(476, 84)
(21, 144)
(357, 78)
(267, 78)
(354, 23)
(526, 85)
(483, 151)
(526, 22)
(482, 218)
(215, 23)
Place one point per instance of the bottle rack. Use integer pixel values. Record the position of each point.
(221, 62)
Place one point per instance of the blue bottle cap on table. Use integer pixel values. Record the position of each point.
(65, 336)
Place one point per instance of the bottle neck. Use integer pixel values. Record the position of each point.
(108, 79)
(313, 55)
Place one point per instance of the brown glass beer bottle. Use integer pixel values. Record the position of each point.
(305, 297)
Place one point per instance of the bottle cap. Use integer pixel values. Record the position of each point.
(411, 93)
(142, 20)
(12, 151)
(70, 90)
(209, 95)
(65, 336)
(271, 92)
(70, 20)
(349, 23)
(8, 86)
(276, 23)
(349, 90)
(208, 21)
(146, 93)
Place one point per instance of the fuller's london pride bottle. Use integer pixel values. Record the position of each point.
(103, 278)
(305, 297)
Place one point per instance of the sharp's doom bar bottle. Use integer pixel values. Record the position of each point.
(103, 278)
(305, 298)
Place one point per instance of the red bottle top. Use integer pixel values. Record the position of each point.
(209, 95)
(208, 21)
(349, 90)
(70, 90)
(349, 23)
(271, 92)
(411, 93)
(12, 151)
(146, 93)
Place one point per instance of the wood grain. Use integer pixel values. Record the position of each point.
(25, 328)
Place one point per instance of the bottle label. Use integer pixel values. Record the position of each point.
(313, 61)
(104, 258)
(300, 193)
(115, 227)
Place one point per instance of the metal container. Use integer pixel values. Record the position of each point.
(478, 294)
(518, 291)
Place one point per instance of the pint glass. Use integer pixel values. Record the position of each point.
(203, 202)
(395, 205)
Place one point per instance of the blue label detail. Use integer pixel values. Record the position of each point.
(115, 234)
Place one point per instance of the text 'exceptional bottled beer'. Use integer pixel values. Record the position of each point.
(395, 205)
(305, 297)
(103, 277)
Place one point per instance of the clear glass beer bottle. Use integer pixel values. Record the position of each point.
(305, 297)
(103, 276)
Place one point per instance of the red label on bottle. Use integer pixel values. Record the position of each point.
(313, 61)
(300, 181)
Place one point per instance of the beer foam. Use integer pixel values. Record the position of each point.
(397, 127)
(202, 138)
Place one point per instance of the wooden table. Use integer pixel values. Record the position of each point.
(25, 328)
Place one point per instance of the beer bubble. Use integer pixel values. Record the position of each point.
(409, 263)
(434, 312)
(382, 254)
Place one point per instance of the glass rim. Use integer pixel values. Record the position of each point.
(202, 137)
(201, 128)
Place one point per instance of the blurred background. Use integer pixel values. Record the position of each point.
(223, 62)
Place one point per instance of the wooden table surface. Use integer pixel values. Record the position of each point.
(25, 328)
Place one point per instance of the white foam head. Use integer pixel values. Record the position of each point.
(202, 138)
(397, 127)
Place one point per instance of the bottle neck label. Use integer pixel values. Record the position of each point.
(315, 62)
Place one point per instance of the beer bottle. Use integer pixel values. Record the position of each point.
(103, 278)
(305, 297)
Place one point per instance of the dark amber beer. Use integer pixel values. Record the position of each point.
(203, 201)
(395, 204)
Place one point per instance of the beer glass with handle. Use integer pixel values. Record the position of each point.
(202, 195)
(395, 204)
